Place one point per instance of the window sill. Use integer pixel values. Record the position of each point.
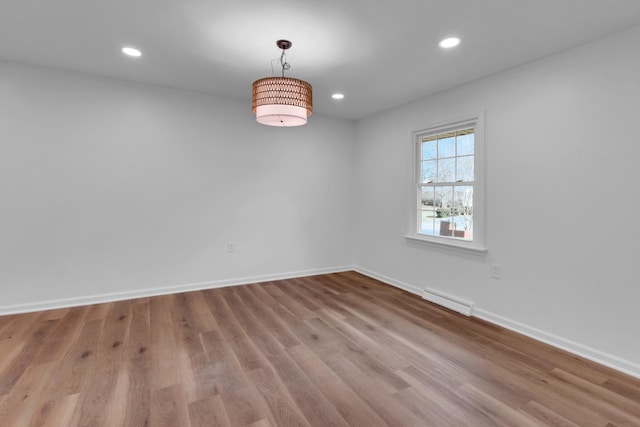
(447, 244)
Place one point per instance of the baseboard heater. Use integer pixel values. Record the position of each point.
(448, 301)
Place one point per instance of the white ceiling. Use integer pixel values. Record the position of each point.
(380, 54)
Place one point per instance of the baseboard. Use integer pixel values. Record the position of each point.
(452, 303)
(448, 301)
(589, 353)
(150, 292)
(388, 280)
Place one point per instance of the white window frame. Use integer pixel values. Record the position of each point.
(478, 243)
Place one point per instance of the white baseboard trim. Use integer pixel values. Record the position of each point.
(589, 353)
(606, 359)
(151, 292)
(448, 301)
(388, 280)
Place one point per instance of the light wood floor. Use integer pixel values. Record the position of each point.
(332, 350)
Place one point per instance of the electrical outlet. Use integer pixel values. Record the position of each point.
(496, 271)
(231, 247)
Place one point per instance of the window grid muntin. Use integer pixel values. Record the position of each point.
(437, 137)
(421, 185)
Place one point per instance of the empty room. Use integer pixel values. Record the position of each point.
(338, 213)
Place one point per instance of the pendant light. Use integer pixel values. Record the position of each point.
(282, 101)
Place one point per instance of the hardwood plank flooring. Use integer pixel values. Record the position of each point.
(331, 350)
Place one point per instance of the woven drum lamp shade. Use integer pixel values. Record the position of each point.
(282, 101)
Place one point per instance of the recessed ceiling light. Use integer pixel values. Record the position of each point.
(449, 42)
(131, 51)
(338, 96)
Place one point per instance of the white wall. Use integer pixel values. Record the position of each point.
(109, 187)
(562, 203)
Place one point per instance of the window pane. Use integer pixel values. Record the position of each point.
(446, 170)
(427, 223)
(447, 147)
(428, 173)
(427, 197)
(465, 144)
(464, 169)
(444, 199)
(429, 150)
(427, 211)
(463, 212)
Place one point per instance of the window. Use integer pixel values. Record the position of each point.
(448, 185)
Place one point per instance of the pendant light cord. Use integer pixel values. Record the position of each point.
(283, 62)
